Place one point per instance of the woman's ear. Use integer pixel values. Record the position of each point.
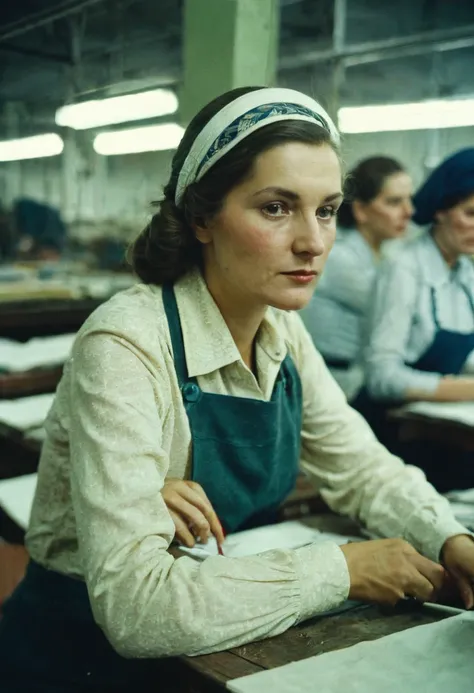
(202, 231)
(358, 210)
(440, 217)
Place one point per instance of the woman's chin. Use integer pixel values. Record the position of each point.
(295, 299)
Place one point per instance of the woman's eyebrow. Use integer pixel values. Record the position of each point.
(291, 195)
(284, 192)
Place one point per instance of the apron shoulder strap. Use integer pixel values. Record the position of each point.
(469, 296)
(434, 308)
(176, 333)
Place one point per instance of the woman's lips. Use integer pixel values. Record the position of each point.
(301, 276)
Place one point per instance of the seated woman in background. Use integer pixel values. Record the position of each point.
(39, 230)
(193, 398)
(378, 209)
(421, 344)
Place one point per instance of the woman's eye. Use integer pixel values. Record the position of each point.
(275, 209)
(326, 212)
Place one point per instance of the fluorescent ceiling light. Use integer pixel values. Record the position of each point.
(147, 139)
(35, 147)
(425, 115)
(118, 109)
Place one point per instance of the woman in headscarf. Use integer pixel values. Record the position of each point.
(377, 209)
(421, 344)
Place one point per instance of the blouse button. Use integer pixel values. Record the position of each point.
(191, 392)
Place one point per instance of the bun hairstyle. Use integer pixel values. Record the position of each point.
(168, 248)
(364, 182)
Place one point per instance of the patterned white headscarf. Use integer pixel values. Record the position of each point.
(239, 119)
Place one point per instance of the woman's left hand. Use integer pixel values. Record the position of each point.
(457, 556)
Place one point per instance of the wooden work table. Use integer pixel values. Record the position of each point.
(26, 383)
(210, 673)
(416, 427)
(22, 320)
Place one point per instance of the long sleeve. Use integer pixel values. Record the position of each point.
(148, 603)
(344, 282)
(390, 319)
(356, 475)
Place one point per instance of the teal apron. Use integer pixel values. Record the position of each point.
(449, 350)
(245, 453)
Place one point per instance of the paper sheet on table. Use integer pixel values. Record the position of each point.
(40, 352)
(462, 412)
(434, 658)
(462, 505)
(461, 496)
(283, 535)
(16, 498)
(26, 412)
(464, 513)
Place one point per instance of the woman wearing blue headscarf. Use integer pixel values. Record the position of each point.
(421, 326)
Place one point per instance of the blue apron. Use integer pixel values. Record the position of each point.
(245, 453)
(449, 350)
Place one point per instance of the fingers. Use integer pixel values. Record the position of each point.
(191, 515)
(466, 590)
(433, 572)
(189, 500)
(209, 512)
(182, 532)
(421, 589)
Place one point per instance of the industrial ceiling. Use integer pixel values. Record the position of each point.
(54, 50)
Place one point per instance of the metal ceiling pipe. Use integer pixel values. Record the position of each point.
(44, 17)
(409, 51)
(33, 53)
(375, 51)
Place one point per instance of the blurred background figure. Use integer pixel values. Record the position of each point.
(39, 230)
(377, 209)
(31, 230)
(7, 235)
(421, 327)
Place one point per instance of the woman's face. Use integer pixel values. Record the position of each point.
(456, 228)
(387, 215)
(269, 243)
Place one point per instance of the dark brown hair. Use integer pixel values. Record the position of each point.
(168, 248)
(364, 182)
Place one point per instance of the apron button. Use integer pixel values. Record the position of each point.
(191, 392)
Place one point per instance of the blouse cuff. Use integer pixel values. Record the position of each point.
(421, 382)
(429, 540)
(324, 578)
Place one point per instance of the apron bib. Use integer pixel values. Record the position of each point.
(449, 350)
(245, 452)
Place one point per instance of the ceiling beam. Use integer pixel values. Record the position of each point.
(32, 52)
(44, 17)
(397, 47)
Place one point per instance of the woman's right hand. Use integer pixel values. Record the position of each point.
(191, 511)
(387, 570)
